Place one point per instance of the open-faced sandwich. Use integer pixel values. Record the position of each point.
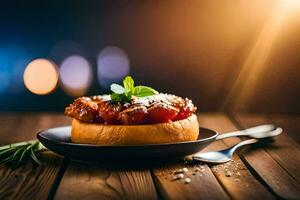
(132, 115)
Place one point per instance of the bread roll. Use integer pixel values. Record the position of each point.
(170, 132)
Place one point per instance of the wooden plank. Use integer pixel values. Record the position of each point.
(28, 181)
(234, 176)
(89, 181)
(138, 184)
(9, 122)
(84, 180)
(203, 184)
(284, 149)
(276, 163)
(290, 123)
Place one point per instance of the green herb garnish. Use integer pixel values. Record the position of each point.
(126, 92)
(18, 153)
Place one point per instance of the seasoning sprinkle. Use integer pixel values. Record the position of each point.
(178, 171)
(180, 176)
(184, 170)
(187, 180)
(227, 173)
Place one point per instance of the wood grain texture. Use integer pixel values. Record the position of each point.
(84, 180)
(276, 163)
(284, 149)
(138, 184)
(234, 176)
(203, 184)
(290, 123)
(28, 181)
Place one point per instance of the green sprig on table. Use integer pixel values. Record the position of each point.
(18, 153)
(126, 92)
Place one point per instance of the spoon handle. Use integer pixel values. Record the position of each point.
(231, 134)
(245, 142)
(248, 131)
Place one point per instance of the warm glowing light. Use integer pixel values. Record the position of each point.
(75, 75)
(40, 76)
(113, 65)
(290, 4)
(255, 66)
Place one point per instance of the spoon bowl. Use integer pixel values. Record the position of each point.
(261, 135)
(213, 157)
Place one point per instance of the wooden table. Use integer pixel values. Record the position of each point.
(260, 172)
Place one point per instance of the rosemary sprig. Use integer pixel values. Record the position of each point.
(18, 153)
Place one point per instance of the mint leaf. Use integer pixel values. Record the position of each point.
(124, 93)
(128, 84)
(116, 88)
(118, 97)
(143, 91)
(115, 97)
(128, 94)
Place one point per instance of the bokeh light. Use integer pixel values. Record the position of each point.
(75, 75)
(113, 65)
(13, 60)
(5, 73)
(40, 76)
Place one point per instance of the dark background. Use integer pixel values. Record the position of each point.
(231, 55)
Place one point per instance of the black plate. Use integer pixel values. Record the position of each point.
(58, 140)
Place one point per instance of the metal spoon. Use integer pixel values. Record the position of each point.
(258, 132)
(226, 154)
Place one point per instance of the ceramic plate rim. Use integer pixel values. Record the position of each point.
(42, 137)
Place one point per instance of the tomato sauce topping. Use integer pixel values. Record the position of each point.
(146, 110)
